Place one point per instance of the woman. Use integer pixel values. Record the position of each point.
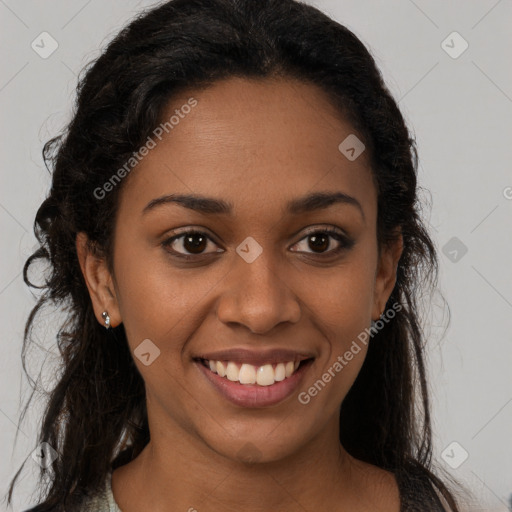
(234, 228)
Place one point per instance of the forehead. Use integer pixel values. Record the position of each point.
(254, 143)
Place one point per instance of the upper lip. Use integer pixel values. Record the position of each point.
(256, 357)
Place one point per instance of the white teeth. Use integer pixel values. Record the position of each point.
(265, 375)
(280, 372)
(220, 369)
(232, 371)
(245, 373)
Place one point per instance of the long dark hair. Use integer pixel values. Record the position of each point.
(96, 415)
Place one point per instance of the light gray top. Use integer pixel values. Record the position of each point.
(104, 500)
(415, 495)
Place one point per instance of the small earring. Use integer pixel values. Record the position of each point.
(106, 319)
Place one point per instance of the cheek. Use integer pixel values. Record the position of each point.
(341, 307)
(342, 299)
(155, 299)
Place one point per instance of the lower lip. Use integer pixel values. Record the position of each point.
(253, 395)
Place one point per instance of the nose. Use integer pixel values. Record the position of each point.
(258, 296)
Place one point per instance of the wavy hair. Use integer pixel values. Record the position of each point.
(96, 414)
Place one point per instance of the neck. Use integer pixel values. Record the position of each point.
(178, 471)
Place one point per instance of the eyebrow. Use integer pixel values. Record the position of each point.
(209, 205)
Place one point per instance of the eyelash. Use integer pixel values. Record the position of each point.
(345, 242)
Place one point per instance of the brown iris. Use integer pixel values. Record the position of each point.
(195, 243)
(319, 242)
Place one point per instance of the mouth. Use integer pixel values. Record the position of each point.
(249, 385)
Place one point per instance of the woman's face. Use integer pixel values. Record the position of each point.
(261, 277)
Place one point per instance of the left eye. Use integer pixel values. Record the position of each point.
(320, 241)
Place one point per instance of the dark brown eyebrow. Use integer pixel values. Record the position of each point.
(208, 205)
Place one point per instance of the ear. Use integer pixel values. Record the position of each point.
(98, 280)
(385, 277)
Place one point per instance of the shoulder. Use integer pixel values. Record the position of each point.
(96, 503)
(378, 485)
(406, 490)
(101, 500)
(418, 491)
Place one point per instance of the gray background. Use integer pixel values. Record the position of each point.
(459, 110)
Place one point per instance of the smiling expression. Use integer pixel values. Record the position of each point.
(245, 237)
